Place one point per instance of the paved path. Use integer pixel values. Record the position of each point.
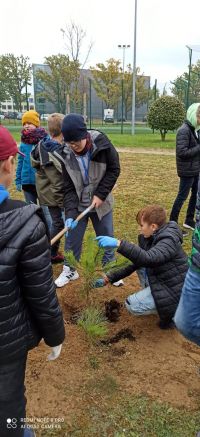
(147, 151)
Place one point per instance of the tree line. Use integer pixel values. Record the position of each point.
(63, 84)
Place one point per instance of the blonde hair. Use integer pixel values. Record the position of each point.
(55, 124)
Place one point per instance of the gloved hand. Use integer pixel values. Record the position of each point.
(100, 282)
(107, 242)
(18, 187)
(70, 224)
(55, 352)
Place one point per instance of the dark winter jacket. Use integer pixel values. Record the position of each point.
(166, 264)
(187, 151)
(29, 308)
(104, 170)
(49, 179)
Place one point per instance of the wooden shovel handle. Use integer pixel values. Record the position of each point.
(80, 216)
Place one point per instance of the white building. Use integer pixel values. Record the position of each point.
(8, 105)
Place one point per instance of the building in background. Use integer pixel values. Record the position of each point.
(8, 106)
(93, 102)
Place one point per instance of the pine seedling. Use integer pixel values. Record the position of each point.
(93, 322)
(89, 266)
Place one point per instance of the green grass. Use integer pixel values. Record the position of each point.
(137, 416)
(143, 137)
(148, 140)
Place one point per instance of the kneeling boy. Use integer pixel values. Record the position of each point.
(160, 262)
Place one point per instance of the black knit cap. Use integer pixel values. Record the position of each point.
(74, 128)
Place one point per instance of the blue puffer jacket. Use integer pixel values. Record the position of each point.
(25, 173)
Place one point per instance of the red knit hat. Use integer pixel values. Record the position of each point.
(8, 146)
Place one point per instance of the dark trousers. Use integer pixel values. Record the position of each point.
(101, 227)
(12, 398)
(58, 224)
(32, 198)
(185, 185)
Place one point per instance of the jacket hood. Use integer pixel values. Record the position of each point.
(192, 115)
(49, 144)
(11, 222)
(169, 230)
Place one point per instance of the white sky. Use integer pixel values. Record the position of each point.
(164, 27)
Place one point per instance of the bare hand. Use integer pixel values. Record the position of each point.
(96, 202)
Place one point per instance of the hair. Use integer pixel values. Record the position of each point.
(152, 214)
(55, 124)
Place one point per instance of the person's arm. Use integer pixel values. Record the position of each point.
(159, 254)
(123, 272)
(38, 288)
(112, 173)
(183, 150)
(18, 180)
(71, 199)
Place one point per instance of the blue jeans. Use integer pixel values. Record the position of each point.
(187, 317)
(184, 188)
(74, 239)
(142, 302)
(32, 198)
(12, 398)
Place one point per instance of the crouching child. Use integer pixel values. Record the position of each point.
(160, 262)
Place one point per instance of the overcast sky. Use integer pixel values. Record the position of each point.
(164, 28)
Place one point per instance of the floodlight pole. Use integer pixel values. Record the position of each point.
(123, 47)
(134, 71)
(189, 74)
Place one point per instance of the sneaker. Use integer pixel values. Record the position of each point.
(118, 283)
(59, 258)
(185, 234)
(189, 225)
(29, 432)
(66, 275)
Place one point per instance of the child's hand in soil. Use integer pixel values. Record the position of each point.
(100, 282)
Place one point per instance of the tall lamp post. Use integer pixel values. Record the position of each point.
(195, 48)
(134, 71)
(123, 47)
(189, 73)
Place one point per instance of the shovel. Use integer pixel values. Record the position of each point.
(80, 216)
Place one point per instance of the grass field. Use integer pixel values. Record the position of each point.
(142, 138)
(153, 388)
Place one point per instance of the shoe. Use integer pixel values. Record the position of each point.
(189, 225)
(66, 275)
(185, 233)
(118, 283)
(59, 258)
(29, 432)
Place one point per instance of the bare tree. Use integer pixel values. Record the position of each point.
(74, 36)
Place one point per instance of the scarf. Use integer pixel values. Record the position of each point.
(33, 136)
(87, 147)
(3, 193)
